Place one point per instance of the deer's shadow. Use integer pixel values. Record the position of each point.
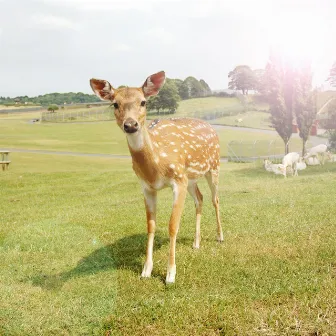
(125, 253)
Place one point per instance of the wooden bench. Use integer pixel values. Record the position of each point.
(4, 159)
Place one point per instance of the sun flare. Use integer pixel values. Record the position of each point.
(299, 38)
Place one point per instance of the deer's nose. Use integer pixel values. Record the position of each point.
(131, 125)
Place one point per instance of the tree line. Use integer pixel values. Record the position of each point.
(173, 91)
(51, 98)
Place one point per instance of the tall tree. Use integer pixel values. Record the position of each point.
(332, 75)
(242, 78)
(277, 77)
(304, 103)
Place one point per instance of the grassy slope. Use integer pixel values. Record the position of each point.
(191, 106)
(253, 119)
(72, 242)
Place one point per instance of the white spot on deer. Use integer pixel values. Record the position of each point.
(175, 150)
(172, 143)
(163, 154)
(189, 156)
(172, 166)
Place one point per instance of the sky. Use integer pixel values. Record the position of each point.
(58, 45)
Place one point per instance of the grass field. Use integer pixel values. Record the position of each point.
(252, 119)
(72, 243)
(100, 137)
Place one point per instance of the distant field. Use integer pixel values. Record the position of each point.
(251, 119)
(72, 245)
(200, 107)
(13, 107)
(100, 137)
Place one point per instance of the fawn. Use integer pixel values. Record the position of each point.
(168, 153)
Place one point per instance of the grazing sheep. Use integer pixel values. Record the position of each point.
(268, 165)
(276, 168)
(301, 165)
(332, 158)
(312, 161)
(290, 160)
(318, 150)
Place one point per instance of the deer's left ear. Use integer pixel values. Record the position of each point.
(102, 88)
(153, 84)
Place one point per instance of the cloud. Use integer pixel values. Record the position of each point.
(54, 22)
(122, 47)
(160, 35)
(107, 5)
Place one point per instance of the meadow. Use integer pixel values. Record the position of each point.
(73, 236)
(72, 244)
(103, 137)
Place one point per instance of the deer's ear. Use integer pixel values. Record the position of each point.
(153, 84)
(102, 88)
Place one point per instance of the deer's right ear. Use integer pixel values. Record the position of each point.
(102, 88)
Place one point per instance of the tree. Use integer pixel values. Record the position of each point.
(195, 88)
(277, 77)
(166, 99)
(182, 88)
(206, 88)
(304, 103)
(259, 81)
(53, 108)
(332, 75)
(242, 78)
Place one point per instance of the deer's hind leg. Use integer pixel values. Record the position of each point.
(198, 199)
(213, 179)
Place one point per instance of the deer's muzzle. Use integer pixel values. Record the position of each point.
(131, 125)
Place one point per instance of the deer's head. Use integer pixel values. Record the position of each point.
(129, 103)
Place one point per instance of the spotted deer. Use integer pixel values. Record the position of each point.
(168, 153)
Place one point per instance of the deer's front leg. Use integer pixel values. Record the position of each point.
(150, 203)
(179, 192)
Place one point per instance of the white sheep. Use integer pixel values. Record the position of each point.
(318, 150)
(290, 160)
(301, 165)
(332, 157)
(268, 165)
(312, 161)
(276, 168)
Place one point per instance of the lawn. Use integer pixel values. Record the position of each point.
(72, 243)
(99, 137)
(252, 119)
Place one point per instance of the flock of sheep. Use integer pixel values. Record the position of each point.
(315, 156)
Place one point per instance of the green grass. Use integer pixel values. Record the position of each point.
(201, 106)
(102, 137)
(72, 243)
(252, 119)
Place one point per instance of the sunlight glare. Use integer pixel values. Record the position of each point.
(299, 38)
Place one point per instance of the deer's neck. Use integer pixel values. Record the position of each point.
(144, 156)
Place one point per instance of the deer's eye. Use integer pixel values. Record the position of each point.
(115, 105)
(143, 103)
